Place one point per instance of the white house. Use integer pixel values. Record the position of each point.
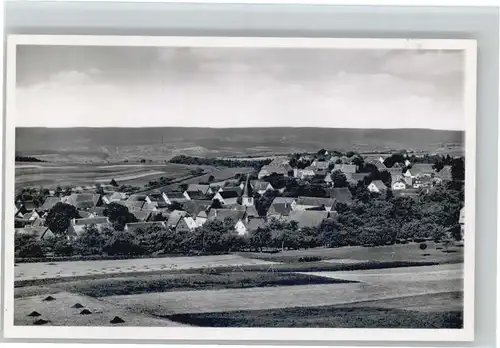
(240, 228)
(399, 185)
(243, 228)
(261, 186)
(377, 186)
(174, 197)
(305, 173)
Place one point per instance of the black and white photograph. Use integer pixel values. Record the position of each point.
(172, 186)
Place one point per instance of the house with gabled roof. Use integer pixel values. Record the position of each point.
(321, 165)
(276, 170)
(313, 203)
(279, 161)
(137, 197)
(345, 168)
(186, 224)
(354, 178)
(77, 226)
(31, 216)
(204, 189)
(194, 207)
(284, 200)
(222, 214)
(420, 170)
(279, 210)
(341, 195)
(380, 166)
(328, 180)
(307, 218)
(83, 200)
(227, 197)
(399, 184)
(114, 197)
(198, 191)
(175, 217)
(142, 215)
(174, 196)
(304, 174)
(251, 212)
(377, 186)
(49, 203)
(261, 186)
(39, 232)
(243, 228)
(38, 222)
(17, 212)
(444, 174)
(395, 171)
(26, 206)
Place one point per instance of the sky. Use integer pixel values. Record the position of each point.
(82, 86)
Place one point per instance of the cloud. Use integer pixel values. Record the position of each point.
(242, 88)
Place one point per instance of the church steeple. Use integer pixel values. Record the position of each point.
(247, 199)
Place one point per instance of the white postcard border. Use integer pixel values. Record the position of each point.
(245, 334)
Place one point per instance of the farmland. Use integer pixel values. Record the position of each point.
(50, 175)
(232, 290)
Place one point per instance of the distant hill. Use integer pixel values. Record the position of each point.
(124, 143)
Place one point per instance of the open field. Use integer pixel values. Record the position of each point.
(59, 312)
(326, 317)
(377, 288)
(51, 175)
(387, 297)
(355, 254)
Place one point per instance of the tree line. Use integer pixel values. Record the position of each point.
(232, 163)
(28, 159)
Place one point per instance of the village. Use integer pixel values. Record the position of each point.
(295, 201)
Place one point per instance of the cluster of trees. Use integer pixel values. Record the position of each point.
(183, 159)
(378, 220)
(161, 181)
(27, 159)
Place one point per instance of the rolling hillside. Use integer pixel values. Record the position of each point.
(117, 144)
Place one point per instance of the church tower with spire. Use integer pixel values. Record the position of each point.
(247, 198)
